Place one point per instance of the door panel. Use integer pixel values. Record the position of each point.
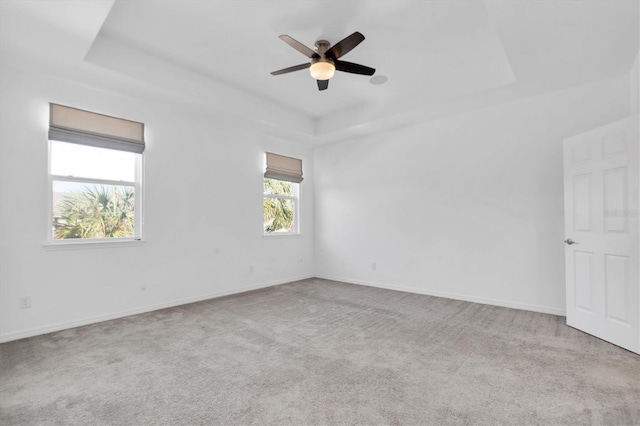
(602, 216)
(617, 287)
(583, 279)
(614, 144)
(581, 152)
(582, 202)
(615, 191)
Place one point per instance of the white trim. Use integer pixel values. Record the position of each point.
(74, 179)
(138, 219)
(49, 230)
(138, 198)
(141, 310)
(90, 243)
(149, 308)
(281, 234)
(277, 197)
(296, 208)
(484, 300)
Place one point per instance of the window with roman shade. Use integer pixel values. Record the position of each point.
(95, 176)
(281, 196)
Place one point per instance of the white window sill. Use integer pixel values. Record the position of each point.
(90, 244)
(281, 234)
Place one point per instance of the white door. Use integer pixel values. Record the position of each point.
(602, 232)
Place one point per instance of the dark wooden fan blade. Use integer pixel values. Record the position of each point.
(344, 46)
(299, 46)
(323, 84)
(291, 69)
(354, 68)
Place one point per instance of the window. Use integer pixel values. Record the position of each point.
(95, 171)
(281, 195)
(280, 206)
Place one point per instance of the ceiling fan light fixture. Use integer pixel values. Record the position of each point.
(322, 70)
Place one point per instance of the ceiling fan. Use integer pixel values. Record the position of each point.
(325, 59)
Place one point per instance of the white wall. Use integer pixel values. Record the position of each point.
(203, 213)
(468, 206)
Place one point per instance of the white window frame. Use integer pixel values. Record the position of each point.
(138, 203)
(296, 208)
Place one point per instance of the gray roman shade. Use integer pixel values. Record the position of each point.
(283, 168)
(73, 125)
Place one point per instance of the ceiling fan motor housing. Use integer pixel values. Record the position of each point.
(322, 59)
(322, 46)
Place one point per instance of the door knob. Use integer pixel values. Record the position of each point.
(569, 241)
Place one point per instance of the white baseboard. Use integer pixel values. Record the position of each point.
(141, 310)
(149, 308)
(456, 296)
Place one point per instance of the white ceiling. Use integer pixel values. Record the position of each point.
(436, 54)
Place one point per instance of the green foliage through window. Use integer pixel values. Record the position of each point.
(279, 206)
(99, 211)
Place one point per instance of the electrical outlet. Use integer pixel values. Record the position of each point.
(251, 268)
(25, 302)
(374, 266)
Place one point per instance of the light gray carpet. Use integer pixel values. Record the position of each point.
(321, 352)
